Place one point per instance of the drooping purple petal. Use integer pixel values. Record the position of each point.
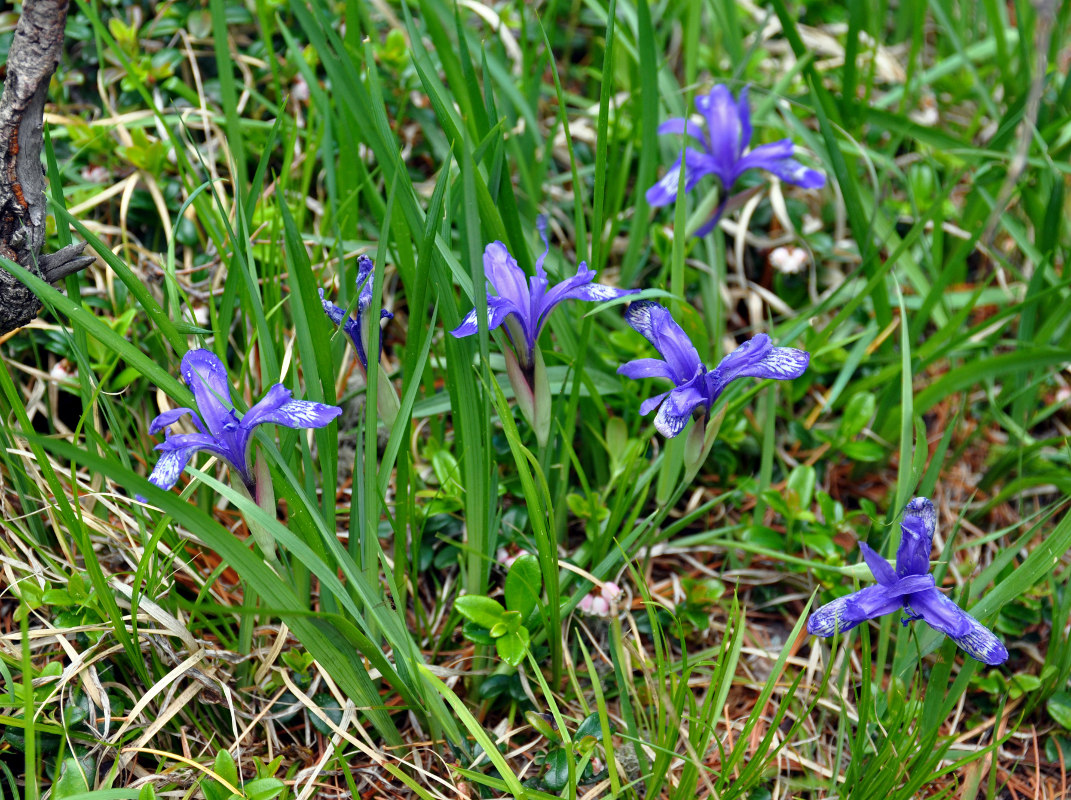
(942, 614)
(697, 165)
(169, 466)
(168, 418)
(758, 358)
(846, 612)
(651, 403)
(176, 452)
(776, 363)
(657, 326)
(678, 406)
(297, 414)
(777, 157)
(916, 538)
(641, 368)
(276, 398)
(579, 287)
(339, 316)
(498, 308)
(879, 567)
(207, 378)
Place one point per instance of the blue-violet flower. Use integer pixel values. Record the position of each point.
(721, 150)
(222, 433)
(695, 388)
(523, 303)
(910, 587)
(357, 329)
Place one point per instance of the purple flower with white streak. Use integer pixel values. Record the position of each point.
(523, 303)
(909, 587)
(721, 150)
(696, 389)
(357, 329)
(222, 432)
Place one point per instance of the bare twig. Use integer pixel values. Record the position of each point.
(32, 60)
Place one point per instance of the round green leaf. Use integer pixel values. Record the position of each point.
(1059, 708)
(523, 585)
(479, 609)
(557, 774)
(512, 647)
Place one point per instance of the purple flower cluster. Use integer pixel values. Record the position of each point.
(718, 147)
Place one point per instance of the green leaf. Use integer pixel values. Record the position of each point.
(866, 450)
(479, 609)
(265, 788)
(71, 782)
(544, 723)
(801, 481)
(1059, 708)
(589, 726)
(477, 633)
(513, 646)
(332, 710)
(524, 583)
(857, 415)
(557, 774)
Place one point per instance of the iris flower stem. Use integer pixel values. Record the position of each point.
(262, 493)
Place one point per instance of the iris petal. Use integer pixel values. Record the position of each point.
(942, 614)
(658, 327)
(168, 418)
(916, 538)
(846, 612)
(207, 378)
(641, 368)
(878, 565)
(498, 308)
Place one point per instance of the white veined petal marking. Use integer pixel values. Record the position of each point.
(786, 361)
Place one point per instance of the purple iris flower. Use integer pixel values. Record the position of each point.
(912, 588)
(696, 389)
(720, 151)
(357, 329)
(523, 303)
(222, 433)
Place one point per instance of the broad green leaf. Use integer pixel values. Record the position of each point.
(479, 609)
(524, 584)
(513, 646)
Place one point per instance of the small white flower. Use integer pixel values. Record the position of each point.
(789, 260)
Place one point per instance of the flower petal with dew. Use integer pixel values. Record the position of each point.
(911, 588)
